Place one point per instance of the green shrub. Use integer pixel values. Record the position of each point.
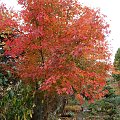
(16, 100)
(17, 103)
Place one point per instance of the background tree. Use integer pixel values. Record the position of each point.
(16, 98)
(61, 50)
(6, 32)
(117, 65)
(116, 73)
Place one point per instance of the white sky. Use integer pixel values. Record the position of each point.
(111, 8)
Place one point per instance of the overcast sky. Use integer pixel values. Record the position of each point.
(111, 8)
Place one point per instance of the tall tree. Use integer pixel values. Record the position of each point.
(117, 65)
(116, 73)
(61, 48)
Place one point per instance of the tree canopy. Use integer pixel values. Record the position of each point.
(61, 46)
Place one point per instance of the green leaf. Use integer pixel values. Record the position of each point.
(1, 75)
(25, 116)
(11, 93)
(1, 81)
(5, 79)
(9, 73)
(30, 112)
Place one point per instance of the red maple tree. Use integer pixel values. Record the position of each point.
(62, 46)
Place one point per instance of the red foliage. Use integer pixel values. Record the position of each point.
(62, 45)
(7, 21)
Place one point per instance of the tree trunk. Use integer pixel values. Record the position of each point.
(47, 105)
(38, 111)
